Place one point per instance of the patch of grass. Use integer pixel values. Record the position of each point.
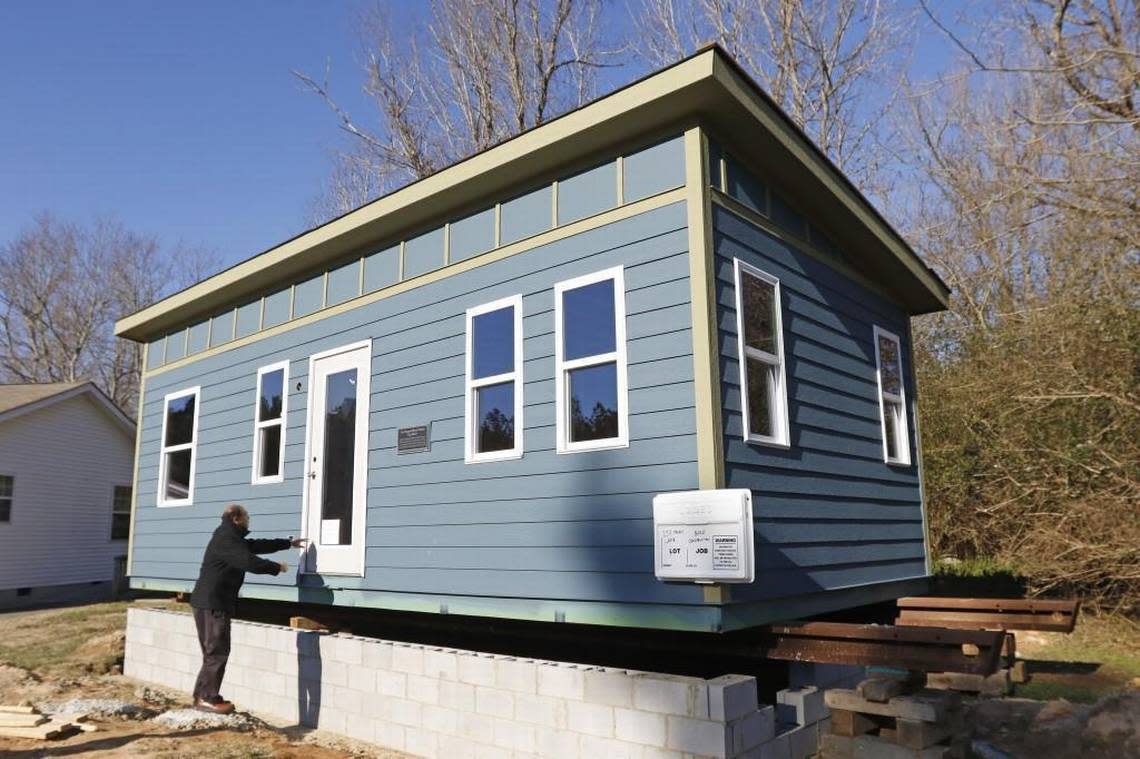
(50, 641)
(978, 577)
(1112, 642)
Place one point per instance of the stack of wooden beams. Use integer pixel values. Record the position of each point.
(880, 719)
(1001, 683)
(26, 722)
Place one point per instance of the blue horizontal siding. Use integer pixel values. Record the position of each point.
(829, 512)
(513, 528)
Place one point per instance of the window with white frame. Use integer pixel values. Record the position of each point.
(7, 486)
(892, 397)
(494, 402)
(760, 346)
(269, 423)
(121, 513)
(178, 457)
(590, 362)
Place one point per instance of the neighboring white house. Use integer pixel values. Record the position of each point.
(66, 468)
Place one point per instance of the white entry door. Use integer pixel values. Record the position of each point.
(336, 473)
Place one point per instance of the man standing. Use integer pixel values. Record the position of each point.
(228, 557)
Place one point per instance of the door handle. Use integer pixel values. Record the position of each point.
(312, 475)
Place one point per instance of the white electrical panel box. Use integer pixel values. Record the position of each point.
(704, 536)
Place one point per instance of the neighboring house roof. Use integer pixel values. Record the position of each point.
(19, 399)
(708, 86)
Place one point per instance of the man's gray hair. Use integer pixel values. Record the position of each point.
(234, 510)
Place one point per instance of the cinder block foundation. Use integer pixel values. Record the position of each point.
(434, 701)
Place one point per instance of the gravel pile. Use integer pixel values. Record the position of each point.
(105, 708)
(192, 719)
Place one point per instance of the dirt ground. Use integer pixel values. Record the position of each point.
(55, 655)
(1083, 700)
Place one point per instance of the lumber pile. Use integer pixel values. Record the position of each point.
(26, 722)
(890, 719)
(1001, 683)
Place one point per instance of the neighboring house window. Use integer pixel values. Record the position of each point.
(892, 397)
(179, 439)
(121, 513)
(269, 423)
(590, 363)
(760, 346)
(494, 403)
(7, 485)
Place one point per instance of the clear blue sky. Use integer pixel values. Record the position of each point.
(183, 120)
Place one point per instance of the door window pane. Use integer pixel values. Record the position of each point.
(121, 513)
(496, 417)
(493, 341)
(889, 365)
(339, 460)
(269, 446)
(588, 320)
(760, 387)
(593, 402)
(891, 432)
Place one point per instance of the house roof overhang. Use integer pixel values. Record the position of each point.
(707, 88)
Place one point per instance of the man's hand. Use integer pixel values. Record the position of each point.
(299, 542)
(284, 567)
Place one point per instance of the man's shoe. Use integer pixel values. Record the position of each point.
(221, 707)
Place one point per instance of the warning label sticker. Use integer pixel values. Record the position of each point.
(726, 552)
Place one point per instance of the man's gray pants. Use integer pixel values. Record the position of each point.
(214, 640)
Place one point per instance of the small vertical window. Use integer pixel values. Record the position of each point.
(7, 486)
(269, 423)
(590, 371)
(179, 438)
(121, 513)
(494, 404)
(892, 397)
(760, 346)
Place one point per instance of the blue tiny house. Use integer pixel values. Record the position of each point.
(467, 392)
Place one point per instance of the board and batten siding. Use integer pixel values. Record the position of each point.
(829, 512)
(66, 458)
(547, 526)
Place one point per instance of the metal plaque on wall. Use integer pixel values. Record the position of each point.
(413, 439)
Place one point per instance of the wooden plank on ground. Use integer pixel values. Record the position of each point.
(43, 732)
(850, 724)
(16, 709)
(13, 719)
(997, 684)
(925, 705)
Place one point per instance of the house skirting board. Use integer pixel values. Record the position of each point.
(432, 701)
(48, 595)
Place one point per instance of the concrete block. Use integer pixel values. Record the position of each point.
(347, 700)
(640, 727)
(803, 741)
(345, 649)
(389, 734)
(562, 681)
(516, 675)
(544, 711)
(652, 752)
(609, 748)
(800, 706)
(441, 719)
(454, 746)
(610, 687)
(777, 748)
(669, 694)
(360, 728)
(510, 734)
(441, 664)
(408, 659)
(494, 702)
(392, 684)
(286, 664)
(376, 655)
(270, 682)
(491, 752)
(332, 720)
(402, 711)
(476, 727)
(423, 689)
(254, 636)
(698, 736)
(362, 679)
(559, 743)
(477, 670)
(753, 729)
(421, 742)
(334, 673)
(456, 695)
(731, 697)
(590, 719)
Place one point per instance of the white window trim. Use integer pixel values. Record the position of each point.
(562, 367)
(255, 477)
(470, 409)
(901, 426)
(779, 405)
(192, 446)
